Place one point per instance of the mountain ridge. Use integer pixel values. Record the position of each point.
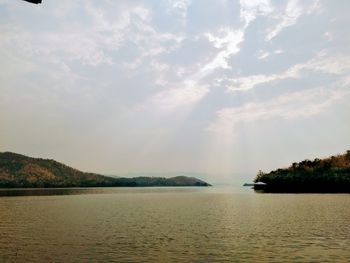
(17, 171)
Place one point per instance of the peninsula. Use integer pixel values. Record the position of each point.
(329, 175)
(20, 171)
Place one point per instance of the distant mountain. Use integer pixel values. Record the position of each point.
(17, 170)
(320, 175)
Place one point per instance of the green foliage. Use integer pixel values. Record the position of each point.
(320, 175)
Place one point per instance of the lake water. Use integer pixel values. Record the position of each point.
(173, 225)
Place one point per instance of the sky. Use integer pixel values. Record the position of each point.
(218, 89)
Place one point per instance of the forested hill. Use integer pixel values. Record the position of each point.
(17, 170)
(320, 175)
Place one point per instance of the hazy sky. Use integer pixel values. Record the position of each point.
(223, 88)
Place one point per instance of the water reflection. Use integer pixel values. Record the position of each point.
(174, 225)
(96, 190)
(49, 191)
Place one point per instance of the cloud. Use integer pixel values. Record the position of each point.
(291, 14)
(151, 44)
(250, 9)
(228, 40)
(263, 54)
(148, 42)
(328, 36)
(289, 17)
(295, 105)
(177, 98)
(189, 92)
(63, 43)
(322, 63)
(229, 43)
(95, 36)
(278, 51)
(179, 7)
(157, 73)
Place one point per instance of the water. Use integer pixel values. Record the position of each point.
(173, 225)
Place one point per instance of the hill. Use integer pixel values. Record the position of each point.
(320, 175)
(19, 171)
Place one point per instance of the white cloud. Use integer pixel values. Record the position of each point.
(291, 14)
(278, 51)
(69, 46)
(190, 92)
(263, 54)
(325, 63)
(91, 42)
(226, 37)
(177, 98)
(322, 63)
(229, 43)
(328, 36)
(302, 104)
(247, 83)
(179, 7)
(289, 17)
(149, 42)
(228, 40)
(250, 9)
(67, 42)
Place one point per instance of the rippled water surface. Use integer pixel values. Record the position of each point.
(173, 225)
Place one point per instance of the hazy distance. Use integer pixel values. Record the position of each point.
(219, 89)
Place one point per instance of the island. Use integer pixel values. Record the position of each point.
(20, 171)
(329, 175)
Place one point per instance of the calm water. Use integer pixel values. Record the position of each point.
(174, 225)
